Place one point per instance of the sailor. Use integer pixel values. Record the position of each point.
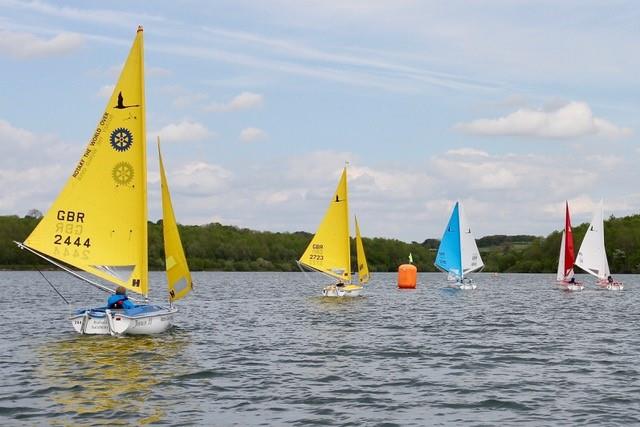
(610, 279)
(120, 299)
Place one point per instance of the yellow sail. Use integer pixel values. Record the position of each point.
(361, 259)
(98, 223)
(178, 275)
(329, 250)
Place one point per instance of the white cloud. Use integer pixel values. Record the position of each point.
(12, 136)
(106, 91)
(186, 130)
(467, 152)
(252, 135)
(243, 101)
(23, 45)
(199, 179)
(572, 120)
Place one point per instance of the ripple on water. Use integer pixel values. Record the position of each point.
(515, 351)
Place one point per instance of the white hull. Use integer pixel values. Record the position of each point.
(342, 291)
(613, 286)
(150, 320)
(465, 285)
(572, 287)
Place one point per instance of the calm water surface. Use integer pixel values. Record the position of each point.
(264, 349)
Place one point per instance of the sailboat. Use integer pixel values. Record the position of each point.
(329, 252)
(98, 223)
(565, 276)
(592, 256)
(458, 254)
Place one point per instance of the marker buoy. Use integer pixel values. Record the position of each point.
(407, 274)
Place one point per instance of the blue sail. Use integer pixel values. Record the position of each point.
(449, 257)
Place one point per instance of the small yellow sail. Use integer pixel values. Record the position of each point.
(329, 251)
(98, 223)
(178, 275)
(361, 259)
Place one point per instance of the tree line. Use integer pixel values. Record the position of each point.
(228, 248)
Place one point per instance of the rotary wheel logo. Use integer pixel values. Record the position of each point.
(121, 139)
(122, 173)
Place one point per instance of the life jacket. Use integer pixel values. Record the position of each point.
(116, 301)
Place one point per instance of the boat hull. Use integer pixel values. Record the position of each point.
(611, 286)
(569, 286)
(342, 291)
(142, 320)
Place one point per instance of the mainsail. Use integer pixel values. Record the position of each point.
(361, 259)
(329, 251)
(567, 254)
(98, 223)
(592, 256)
(178, 275)
(471, 260)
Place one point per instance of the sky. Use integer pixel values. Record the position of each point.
(511, 107)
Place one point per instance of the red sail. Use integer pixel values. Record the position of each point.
(569, 255)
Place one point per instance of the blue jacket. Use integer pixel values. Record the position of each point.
(119, 301)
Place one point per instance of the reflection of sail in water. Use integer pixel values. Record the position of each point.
(99, 378)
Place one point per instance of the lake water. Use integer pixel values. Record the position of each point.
(264, 349)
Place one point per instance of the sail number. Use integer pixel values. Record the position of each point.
(317, 256)
(58, 241)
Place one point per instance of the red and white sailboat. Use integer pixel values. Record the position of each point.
(565, 276)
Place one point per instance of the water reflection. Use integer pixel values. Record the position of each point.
(101, 378)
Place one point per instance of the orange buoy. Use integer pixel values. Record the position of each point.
(407, 274)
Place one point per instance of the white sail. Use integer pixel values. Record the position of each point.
(560, 275)
(471, 260)
(592, 256)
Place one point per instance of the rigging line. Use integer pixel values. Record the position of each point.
(51, 284)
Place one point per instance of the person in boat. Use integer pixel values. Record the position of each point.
(119, 299)
(572, 280)
(610, 279)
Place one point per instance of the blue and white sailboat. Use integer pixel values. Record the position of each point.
(458, 254)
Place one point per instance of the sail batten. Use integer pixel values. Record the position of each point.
(98, 222)
(329, 251)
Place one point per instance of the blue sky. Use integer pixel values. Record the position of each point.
(509, 106)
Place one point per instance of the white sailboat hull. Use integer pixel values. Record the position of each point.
(465, 286)
(342, 291)
(142, 320)
(573, 287)
(611, 286)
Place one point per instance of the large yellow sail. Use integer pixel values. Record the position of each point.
(98, 223)
(329, 250)
(178, 275)
(361, 259)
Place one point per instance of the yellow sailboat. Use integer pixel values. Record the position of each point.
(329, 252)
(98, 223)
